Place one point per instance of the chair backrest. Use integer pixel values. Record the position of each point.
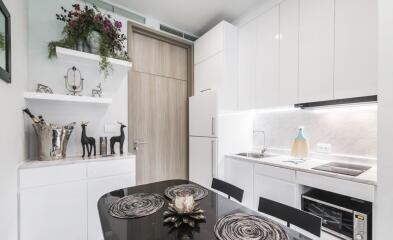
(229, 189)
(299, 218)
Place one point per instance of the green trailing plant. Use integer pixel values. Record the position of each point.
(79, 23)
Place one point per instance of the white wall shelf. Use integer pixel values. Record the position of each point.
(88, 58)
(33, 96)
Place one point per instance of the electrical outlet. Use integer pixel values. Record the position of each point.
(111, 128)
(324, 147)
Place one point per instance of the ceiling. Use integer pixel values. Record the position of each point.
(193, 16)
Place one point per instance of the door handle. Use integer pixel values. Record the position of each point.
(137, 143)
(205, 90)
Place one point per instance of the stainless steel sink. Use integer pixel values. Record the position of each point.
(255, 155)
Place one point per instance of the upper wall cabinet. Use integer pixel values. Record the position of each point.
(209, 44)
(266, 85)
(306, 51)
(216, 64)
(289, 52)
(316, 49)
(356, 32)
(268, 58)
(247, 59)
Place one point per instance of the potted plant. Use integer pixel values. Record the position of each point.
(90, 30)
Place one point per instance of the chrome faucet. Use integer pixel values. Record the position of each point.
(264, 149)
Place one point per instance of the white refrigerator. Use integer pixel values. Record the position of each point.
(212, 135)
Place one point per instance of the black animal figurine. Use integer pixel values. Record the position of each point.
(88, 143)
(119, 139)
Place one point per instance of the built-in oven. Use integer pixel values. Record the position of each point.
(345, 217)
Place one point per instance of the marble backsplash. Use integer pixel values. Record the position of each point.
(350, 131)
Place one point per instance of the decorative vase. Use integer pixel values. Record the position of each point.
(300, 146)
(94, 42)
(82, 46)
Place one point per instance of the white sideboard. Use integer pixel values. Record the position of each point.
(58, 199)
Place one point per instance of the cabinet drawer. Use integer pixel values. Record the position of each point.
(110, 168)
(340, 186)
(34, 177)
(275, 172)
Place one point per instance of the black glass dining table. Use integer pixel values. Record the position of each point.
(152, 227)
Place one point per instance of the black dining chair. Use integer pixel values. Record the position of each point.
(299, 218)
(229, 189)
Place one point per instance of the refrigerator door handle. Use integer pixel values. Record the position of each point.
(213, 152)
(213, 131)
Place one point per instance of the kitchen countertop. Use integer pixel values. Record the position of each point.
(71, 160)
(368, 177)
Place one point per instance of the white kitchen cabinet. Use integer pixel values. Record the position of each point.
(271, 182)
(247, 61)
(289, 52)
(202, 114)
(60, 202)
(240, 174)
(96, 189)
(202, 158)
(266, 85)
(54, 212)
(209, 73)
(356, 42)
(210, 43)
(316, 50)
(215, 64)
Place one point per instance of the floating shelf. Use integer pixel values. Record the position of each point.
(33, 96)
(88, 58)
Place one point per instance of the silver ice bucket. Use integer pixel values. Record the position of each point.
(52, 140)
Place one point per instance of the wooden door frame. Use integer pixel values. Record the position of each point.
(189, 46)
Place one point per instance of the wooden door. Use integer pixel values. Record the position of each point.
(158, 92)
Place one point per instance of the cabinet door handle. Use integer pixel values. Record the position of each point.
(213, 130)
(205, 90)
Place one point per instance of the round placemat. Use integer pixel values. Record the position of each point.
(241, 226)
(136, 205)
(197, 191)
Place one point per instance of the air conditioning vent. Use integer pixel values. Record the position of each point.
(177, 33)
(190, 37)
(171, 30)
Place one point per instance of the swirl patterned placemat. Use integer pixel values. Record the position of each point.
(179, 190)
(136, 205)
(241, 226)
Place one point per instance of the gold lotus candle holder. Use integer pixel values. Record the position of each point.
(183, 210)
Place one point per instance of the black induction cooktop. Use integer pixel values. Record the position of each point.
(343, 168)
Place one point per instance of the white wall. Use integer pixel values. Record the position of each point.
(11, 120)
(385, 120)
(43, 28)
